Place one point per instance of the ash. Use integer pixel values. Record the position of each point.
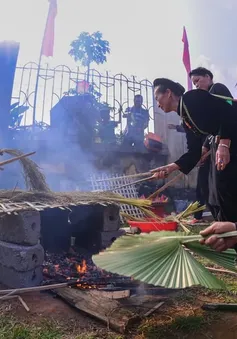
(77, 264)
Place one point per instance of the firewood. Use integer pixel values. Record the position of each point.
(110, 311)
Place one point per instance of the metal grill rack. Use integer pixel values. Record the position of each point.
(102, 183)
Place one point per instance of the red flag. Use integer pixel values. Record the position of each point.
(186, 58)
(48, 40)
(83, 86)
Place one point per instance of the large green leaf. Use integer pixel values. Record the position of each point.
(225, 259)
(160, 258)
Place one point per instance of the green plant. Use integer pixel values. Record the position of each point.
(163, 259)
(89, 48)
(16, 114)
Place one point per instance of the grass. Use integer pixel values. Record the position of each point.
(95, 336)
(10, 328)
(181, 317)
(179, 327)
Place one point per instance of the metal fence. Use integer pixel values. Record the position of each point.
(117, 91)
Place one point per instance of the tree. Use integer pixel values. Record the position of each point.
(89, 48)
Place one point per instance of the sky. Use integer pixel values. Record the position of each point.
(145, 37)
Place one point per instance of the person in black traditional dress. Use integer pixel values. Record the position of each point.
(204, 114)
(202, 78)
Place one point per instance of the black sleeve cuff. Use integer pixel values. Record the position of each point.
(235, 247)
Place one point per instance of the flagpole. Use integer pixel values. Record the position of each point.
(36, 88)
(39, 67)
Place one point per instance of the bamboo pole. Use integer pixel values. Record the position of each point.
(177, 177)
(37, 288)
(131, 176)
(161, 189)
(133, 183)
(6, 162)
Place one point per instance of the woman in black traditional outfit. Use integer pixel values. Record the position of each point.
(204, 114)
(202, 78)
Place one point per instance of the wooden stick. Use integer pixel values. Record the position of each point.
(152, 310)
(133, 183)
(37, 288)
(177, 177)
(137, 175)
(16, 158)
(161, 189)
(221, 271)
(7, 297)
(24, 304)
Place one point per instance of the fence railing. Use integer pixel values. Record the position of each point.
(117, 91)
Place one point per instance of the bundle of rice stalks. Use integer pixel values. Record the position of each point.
(34, 179)
(162, 259)
(181, 218)
(64, 199)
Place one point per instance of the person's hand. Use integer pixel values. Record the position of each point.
(204, 150)
(172, 126)
(164, 171)
(222, 157)
(205, 155)
(219, 244)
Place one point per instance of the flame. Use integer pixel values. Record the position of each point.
(82, 268)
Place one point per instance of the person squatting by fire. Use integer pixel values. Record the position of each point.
(203, 113)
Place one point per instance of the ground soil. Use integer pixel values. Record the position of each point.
(180, 317)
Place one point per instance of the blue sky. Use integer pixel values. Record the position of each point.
(145, 36)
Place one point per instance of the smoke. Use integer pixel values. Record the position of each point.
(66, 165)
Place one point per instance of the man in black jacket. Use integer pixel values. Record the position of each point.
(202, 78)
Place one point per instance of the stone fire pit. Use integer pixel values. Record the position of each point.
(25, 235)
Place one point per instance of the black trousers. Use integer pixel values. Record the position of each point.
(202, 189)
(227, 191)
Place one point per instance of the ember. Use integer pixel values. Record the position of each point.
(80, 267)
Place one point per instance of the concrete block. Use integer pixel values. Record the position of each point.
(23, 228)
(15, 279)
(107, 238)
(111, 219)
(21, 258)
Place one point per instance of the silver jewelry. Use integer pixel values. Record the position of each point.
(224, 145)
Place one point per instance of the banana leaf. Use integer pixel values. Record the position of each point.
(162, 259)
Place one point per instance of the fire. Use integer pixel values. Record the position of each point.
(82, 268)
(86, 286)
